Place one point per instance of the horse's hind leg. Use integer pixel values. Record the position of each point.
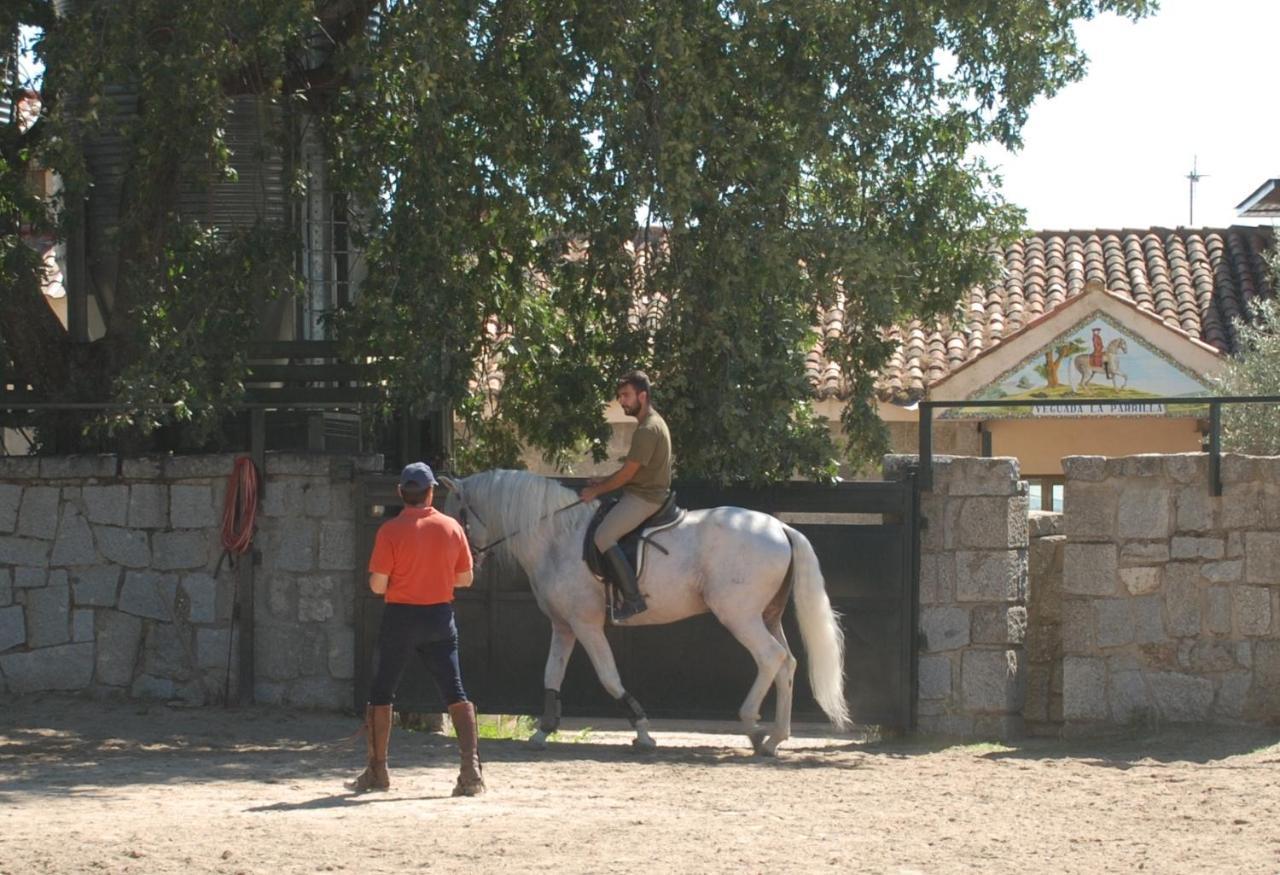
(597, 647)
(562, 641)
(784, 686)
(770, 657)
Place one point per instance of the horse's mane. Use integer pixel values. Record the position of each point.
(513, 502)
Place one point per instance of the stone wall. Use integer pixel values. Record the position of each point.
(973, 587)
(108, 585)
(1170, 597)
(1043, 712)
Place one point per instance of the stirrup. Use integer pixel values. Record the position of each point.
(627, 610)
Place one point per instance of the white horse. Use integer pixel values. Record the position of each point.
(1110, 365)
(739, 564)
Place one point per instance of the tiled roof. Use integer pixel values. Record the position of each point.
(1194, 280)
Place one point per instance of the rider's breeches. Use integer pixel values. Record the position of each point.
(626, 515)
(429, 631)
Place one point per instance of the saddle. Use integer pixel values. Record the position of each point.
(633, 542)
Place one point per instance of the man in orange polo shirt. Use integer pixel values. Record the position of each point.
(419, 558)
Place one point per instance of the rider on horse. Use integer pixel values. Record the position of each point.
(645, 478)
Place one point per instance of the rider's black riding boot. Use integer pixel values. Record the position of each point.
(623, 575)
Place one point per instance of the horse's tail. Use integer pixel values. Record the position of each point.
(820, 629)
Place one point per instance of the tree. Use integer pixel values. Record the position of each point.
(1254, 369)
(1053, 358)
(572, 189)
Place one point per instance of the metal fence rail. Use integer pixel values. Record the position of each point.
(1214, 403)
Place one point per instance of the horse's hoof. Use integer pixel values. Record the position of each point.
(757, 740)
(537, 741)
(645, 745)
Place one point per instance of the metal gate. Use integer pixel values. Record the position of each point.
(866, 537)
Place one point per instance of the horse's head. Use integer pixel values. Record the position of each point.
(459, 504)
(1118, 345)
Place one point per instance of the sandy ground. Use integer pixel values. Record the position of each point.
(120, 787)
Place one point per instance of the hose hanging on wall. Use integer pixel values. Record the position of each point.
(239, 521)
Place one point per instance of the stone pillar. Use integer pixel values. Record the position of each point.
(973, 588)
(1043, 712)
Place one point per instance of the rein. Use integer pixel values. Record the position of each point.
(480, 551)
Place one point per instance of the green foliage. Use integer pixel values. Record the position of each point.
(1255, 370)
(567, 190)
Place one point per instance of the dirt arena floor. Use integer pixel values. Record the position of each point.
(129, 787)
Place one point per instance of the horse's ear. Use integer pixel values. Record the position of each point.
(450, 484)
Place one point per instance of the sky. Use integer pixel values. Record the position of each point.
(1199, 80)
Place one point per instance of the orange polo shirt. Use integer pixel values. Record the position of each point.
(421, 551)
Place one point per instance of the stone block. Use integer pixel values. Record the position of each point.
(1148, 619)
(202, 596)
(30, 578)
(342, 654)
(293, 545)
(205, 466)
(999, 727)
(49, 616)
(1251, 610)
(982, 476)
(191, 507)
(947, 725)
(6, 587)
(285, 653)
(74, 543)
(991, 681)
(19, 467)
(1237, 468)
(1188, 467)
(1128, 698)
(1140, 465)
(119, 641)
(64, 667)
(38, 513)
(1181, 698)
(211, 649)
(1140, 580)
(1079, 633)
(1144, 553)
(1227, 571)
(142, 468)
(1235, 545)
(943, 628)
(150, 687)
(1233, 693)
(933, 519)
(319, 692)
(338, 546)
(1084, 688)
(1044, 524)
(282, 498)
(24, 551)
(281, 595)
(1195, 509)
(315, 498)
(1090, 569)
(179, 550)
(77, 467)
(1114, 622)
(148, 594)
(107, 505)
(164, 652)
(1144, 511)
(937, 577)
(298, 464)
(1263, 700)
(1262, 557)
(1182, 606)
(316, 597)
(1187, 547)
(82, 624)
(342, 503)
(1212, 656)
(10, 499)
(148, 506)
(1217, 610)
(991, 575)
(998, 624)
(13, 627)
(127, 547)
(1087, 468)
(265, 693)
(96, 587)
(1090, 511)
(993, 523)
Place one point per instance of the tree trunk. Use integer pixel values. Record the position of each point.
(1051, 369)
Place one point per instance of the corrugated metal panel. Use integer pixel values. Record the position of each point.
(105, 156)
(254, 130)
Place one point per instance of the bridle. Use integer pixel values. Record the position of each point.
(465, 509)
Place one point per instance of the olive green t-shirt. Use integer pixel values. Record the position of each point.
(651, 447)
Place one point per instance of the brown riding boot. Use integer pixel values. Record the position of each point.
(377, 722)
(470, 777)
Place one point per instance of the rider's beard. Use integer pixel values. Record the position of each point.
(631, 409)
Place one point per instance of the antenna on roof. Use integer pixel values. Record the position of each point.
(1193, 177)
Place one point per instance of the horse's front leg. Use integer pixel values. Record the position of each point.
(562, 641)
(597, 647)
